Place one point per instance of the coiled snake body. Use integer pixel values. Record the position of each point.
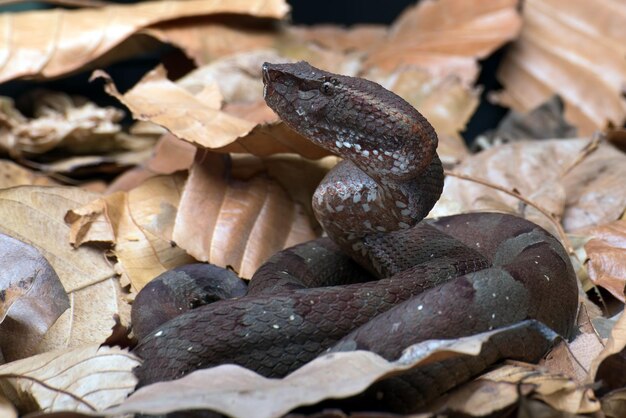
(452, 277)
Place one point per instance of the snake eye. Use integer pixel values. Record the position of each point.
(328, 88)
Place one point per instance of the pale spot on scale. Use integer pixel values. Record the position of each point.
(493, 316)
(357, 147)
(536, 262)
(506, 297)
(400, 204)
(366, 207)
(366, 153)
(439, 312)
(493, 294)
(158, 334)
(547, 278)
(292, 317)
(380, 157)
(478, 244)
(338, 144)
(189, 348)
(395, 326)
(405, 212)
(339, 208)
(367, 224)
(356, 198)
(347, 144)
(419, 308)
(404, 225)
(375, 152)
(380, 228)
(275, 326)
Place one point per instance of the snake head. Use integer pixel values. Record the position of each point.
(352, 117)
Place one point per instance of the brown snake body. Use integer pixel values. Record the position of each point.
(447, 278)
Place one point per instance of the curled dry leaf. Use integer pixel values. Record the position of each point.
(83, 35)
(447, 36)
(573, 48)
(606, 253)
(242, 223)
(16, 175)
(34, 215)
(87, 378)
(550, 173)
(31, 297)
(197, 119)
(238, 392)
(59, 121)
(138, 224)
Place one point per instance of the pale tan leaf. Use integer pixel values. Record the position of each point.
(59, 121)
(542, 172)
(87, 378)
(7, 409)
(35, 215)
(447, 36)
(614, 404)
(573, 359)
(158, 100)
(573, 48)
(138, 224)
(32, 297)
(205, 41)
(556, 390)
(16, 175)
(169, 155)
(357, 37)
(242, 223)
(238, 392)
(80, 36)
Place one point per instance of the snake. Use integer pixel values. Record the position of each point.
(383, 277)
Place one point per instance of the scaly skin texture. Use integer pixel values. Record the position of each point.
(453, 277)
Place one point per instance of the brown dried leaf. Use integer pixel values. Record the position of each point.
(554, 389)
(16, 175)
(573, 359)
(242, 223)
(356, 38)
(614, 404)
(138, 224)
(238, 392)
(205, 41)
(88, 378)
(31, 297)
(543, 173)
(615, 344)
(170, 154)
(575, 49)
(83, 35)
(34, 215)
(447, 36)
(606, 253)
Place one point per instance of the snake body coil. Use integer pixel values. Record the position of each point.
(448, 278)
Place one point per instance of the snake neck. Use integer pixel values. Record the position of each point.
(390, 177)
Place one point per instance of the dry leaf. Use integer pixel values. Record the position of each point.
(573, 359)
(557, 391)
(606, 251)
(614, 345)
(7, 410)
(357, 37)
(169, 155)
(238, 392)
(573, 48)
(16, 175)
(447, 36)
(59, 121)
(31, 297)
(35, 215)
(88, 378)
(139, 224)
(543, 173)
(242, 223)
(83, 35)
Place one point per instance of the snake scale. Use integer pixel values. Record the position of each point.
(384, 278)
